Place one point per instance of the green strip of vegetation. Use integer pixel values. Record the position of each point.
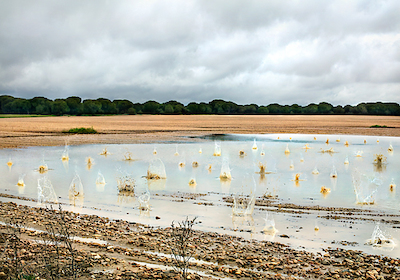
(378, 126)
(75, 106)
(81, 130)
(2, 116)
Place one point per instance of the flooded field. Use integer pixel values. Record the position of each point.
(309, 192)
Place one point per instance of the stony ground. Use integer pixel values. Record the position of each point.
(122, 249)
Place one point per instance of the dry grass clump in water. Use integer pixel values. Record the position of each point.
(392, 186)
(327, 141)
(390, 149)
(126, 184)
(379, 159)
(192, 182)
(225, 176)
(242, 153)
(9, 163)
(128, 156)
(154, 151)
(359, 154)
(89, 163)
(347, 143)
(263, 168)
(334, 173)
(43, 169)
(338, 140)
(379, 162)
(306, 147)
(151, 176)
(104, 152)
(328, 151)
(195, 164)
(181, 164)
(65, 156)
(21, 183)
(324, 190)
(287, 151)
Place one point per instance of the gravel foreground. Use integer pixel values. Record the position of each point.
(117, 249)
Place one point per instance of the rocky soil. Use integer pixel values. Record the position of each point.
(117, 249)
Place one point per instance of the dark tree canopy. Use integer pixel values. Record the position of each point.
(74, 105)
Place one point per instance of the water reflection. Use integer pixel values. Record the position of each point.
(215, 177)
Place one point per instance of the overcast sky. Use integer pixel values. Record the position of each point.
(342, 52)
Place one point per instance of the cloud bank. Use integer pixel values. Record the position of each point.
(342, 52)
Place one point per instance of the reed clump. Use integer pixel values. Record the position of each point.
(81, 130)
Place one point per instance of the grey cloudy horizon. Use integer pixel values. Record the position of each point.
(263, 52)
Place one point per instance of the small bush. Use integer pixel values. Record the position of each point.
(81, 130)
(378, 126)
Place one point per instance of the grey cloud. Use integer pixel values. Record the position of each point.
(245, 51)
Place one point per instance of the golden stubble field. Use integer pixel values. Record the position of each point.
(47, 131)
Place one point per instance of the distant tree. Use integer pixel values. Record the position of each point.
(168, 109)
(107, 107)
(17, 106)
(311, 109)
(348, 109)
(250, 109)
(4, 99)
(41, 105)
(325, 108)
(263, 110)
(131, 111)
(205, 108)
(123, 106)
(339, 110)
(193, 108)
(361, 109)
(59, 107)
(296, 109)
(150, 107)
(285, 109)
(75, 105)
(91, 107)
(274, 108)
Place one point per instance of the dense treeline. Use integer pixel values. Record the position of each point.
(102, 106)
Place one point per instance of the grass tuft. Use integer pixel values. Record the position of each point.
(378, 126)
(81, 130)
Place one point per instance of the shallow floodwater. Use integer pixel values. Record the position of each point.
(213, 212)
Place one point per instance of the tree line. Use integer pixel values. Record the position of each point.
(76, 106)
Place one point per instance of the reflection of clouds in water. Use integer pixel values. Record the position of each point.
(386, 201)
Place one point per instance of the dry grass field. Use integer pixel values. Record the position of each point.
(47, 131)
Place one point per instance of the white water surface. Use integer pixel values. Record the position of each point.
(105, 200)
